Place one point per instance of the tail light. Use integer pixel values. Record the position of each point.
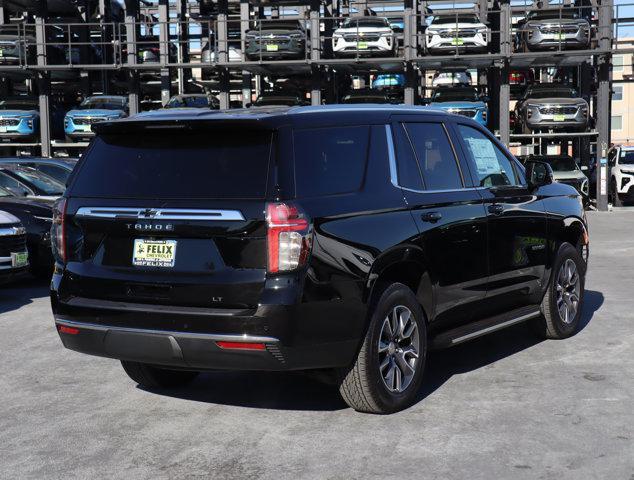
(289, 237)
(58, 230)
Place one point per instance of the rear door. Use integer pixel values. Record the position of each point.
(517, 242)
(448, 212)
(171, 218)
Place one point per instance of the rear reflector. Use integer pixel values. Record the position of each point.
(241, 345)
(68, 330)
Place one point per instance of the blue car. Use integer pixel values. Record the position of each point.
(462, 101)
(19, 120)
(100, 108)
(389, 80)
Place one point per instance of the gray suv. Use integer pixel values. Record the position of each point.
(551, 106)
(554, 29)
(278, 39)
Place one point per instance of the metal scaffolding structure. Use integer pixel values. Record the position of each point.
(181, 31)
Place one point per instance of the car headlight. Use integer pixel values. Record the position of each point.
(387, 34)
(296, 36)
(584, 187)
(482, 30)
(337, 35)
(46, 219)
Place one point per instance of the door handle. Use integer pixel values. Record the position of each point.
(431, 217)
(495, 209)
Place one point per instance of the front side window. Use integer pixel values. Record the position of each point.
(435, 156)
(330, 161)
(493, 167)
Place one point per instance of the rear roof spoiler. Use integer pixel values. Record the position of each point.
(142, 125)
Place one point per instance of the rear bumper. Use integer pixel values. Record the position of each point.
(186, 337)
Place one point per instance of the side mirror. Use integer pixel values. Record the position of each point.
(538, 174)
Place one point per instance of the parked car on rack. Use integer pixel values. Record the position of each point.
(519, 80)
(269, 99)
(14, 256)
(364, 36)
(621, 163)
(566, 170)
(546, 106)
(149, 53)
(451, 77)
(547, 29)
(95, 109)
(389, 81)
(19, 119)
(276, 39)
(210, 56)
(26, 182)
(193, 100)
(350, 238)
(451, 33)
(371, 95)
(57, 168)
(465, 101)
(36, 215)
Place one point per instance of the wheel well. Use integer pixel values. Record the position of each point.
(573, 234)
(412, 275)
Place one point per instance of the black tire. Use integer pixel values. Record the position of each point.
(362, 385)
(551, 323)
(149, 376)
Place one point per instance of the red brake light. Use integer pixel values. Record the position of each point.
(68, 330)
(241, 345)
(58, 229)
(289, 237)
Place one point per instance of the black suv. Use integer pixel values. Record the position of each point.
(350, 238)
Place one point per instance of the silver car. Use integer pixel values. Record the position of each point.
(554, 29)
(551, 107)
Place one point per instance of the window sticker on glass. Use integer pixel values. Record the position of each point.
(484, 156)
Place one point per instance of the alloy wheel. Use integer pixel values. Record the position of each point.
(399, 346)
(568, 291)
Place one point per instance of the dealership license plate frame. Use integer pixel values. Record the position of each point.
(272, 47)
(457, 42)
(19, 259)
(559, 118)
(142, 256)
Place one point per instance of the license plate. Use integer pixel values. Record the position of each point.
(19, 259)
(154, 253)
(3, 129)
(559, 118)
(272, 48)
(457, 41)
(362, 46)
(560, 36)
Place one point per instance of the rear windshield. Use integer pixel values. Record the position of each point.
(162, 164)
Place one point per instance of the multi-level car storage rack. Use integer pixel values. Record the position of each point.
(119, 29)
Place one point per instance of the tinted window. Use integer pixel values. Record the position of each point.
(159, 164)
(13, 186)
(58, 173)
(446, 19)
(376, 22)
(435, 156)
(409, 175)
(45, 184)
(455, 95)
(330, 160)
(493, 168)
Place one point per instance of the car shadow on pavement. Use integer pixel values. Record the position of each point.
(443, 364)
(302, 392)
(22, 292)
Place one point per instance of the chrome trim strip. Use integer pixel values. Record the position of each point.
(493, 328)
(160, 213)
(60, 320)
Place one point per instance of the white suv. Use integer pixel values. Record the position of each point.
(364, 36)
(621, 162)
(449, 33)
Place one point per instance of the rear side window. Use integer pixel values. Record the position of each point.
(163, 164)
(329, 161)
(435, 156)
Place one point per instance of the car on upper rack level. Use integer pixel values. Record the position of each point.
(364, 36)
(348, 239)
(566, 170)
(551, 106)
(456, 33)
(276, 40)
(561, 28)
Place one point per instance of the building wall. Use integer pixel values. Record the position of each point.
(623, 108)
